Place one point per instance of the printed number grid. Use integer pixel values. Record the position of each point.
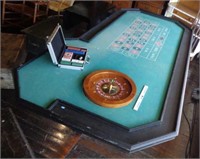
(141, 39)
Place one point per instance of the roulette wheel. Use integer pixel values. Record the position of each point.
(109, 88)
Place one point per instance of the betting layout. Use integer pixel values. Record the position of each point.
(142, 38)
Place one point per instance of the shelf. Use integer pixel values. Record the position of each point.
(26, 10)
(182, 13)
(179, 7)
(31, 8)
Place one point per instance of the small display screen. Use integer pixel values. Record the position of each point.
(58, 44)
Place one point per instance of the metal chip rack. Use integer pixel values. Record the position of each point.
(191, 19)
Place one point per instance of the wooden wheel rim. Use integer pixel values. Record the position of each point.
(91, 81)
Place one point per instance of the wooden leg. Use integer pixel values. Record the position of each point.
(47, 9)
(3, 11)
(35, 13)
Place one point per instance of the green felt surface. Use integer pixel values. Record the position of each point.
(66, 62)
(41, 82)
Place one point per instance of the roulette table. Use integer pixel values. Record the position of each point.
(151, 51)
